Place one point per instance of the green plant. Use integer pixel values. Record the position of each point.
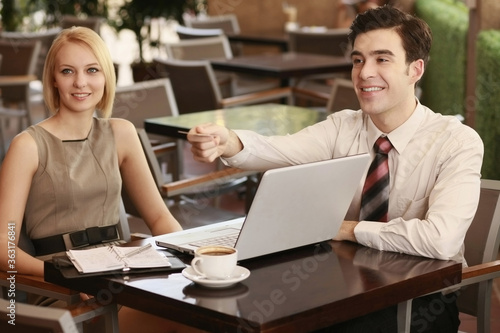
(136, 15)
(11, 17)
(443, 84)
(55, 9)
(487, 100)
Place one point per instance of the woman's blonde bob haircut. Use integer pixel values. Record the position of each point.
(89, 38)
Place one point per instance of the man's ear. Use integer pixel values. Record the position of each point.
(417, 69)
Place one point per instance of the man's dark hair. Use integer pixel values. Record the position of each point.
(414, 32)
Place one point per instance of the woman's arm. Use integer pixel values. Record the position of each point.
(138, 180)
(16, 174)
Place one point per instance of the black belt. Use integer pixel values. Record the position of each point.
(63, 242)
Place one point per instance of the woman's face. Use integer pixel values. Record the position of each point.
(78, 77)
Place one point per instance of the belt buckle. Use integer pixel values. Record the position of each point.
(90, 236)
(93, 235)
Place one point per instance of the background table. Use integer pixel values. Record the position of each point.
(284, 66)
(278, 40)
(299, 290)
(265, 119)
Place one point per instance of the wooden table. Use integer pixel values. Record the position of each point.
(284, 66)
(266, 119)
(295, 291)
(16, 80)
(270, 39)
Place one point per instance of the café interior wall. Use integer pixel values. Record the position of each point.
(267, 16)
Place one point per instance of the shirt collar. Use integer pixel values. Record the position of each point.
(401, 136)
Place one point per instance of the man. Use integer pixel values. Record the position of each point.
(434, 161)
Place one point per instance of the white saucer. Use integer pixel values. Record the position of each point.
(239, 274)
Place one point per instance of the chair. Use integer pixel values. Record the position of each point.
(218, 47)
(91, 22)
(342, 96)
(193, 33)
(81, 311)
(186, 198)
(481, 249)
(227, 23)
(30, 318)
(196, 89)
(149, 99)
(45, 37)
(18, 59)
(5, 116)
(332, 42)
(200, 48)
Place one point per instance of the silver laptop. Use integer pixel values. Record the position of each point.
(294, 206)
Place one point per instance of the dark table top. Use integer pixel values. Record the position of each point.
(275, 39)
(283, 65)
(266, 119)
(298, 290)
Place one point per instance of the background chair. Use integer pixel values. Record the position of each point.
(18, 59)
(150, 99)
(195, 87)
(227, 23)
(219, 47)
(188, 199)
(193, 33)
(6, 115)
(81, 311)
(45, 37)
(200, 48)
(341, 96)
(481, 249)
(30, 318)
(155, 98)
(331, 42)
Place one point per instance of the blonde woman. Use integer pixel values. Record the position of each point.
(65, 174)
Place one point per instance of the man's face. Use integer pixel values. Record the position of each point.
(384, 83)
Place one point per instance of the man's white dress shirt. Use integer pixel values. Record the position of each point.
(434, 173)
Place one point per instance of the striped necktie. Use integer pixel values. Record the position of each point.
(375, 197)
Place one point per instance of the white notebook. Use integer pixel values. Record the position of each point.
(110, 258)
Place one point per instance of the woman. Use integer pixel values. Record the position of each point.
(65, 173)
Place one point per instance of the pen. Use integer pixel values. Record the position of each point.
(138, 250)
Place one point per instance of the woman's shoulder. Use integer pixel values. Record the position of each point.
(23, 146)
(120, 124)
(123, 130)
(25, 138)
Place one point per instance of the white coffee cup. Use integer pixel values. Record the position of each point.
(215, 261)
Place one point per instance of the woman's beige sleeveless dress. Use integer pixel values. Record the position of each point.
(77, 184)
